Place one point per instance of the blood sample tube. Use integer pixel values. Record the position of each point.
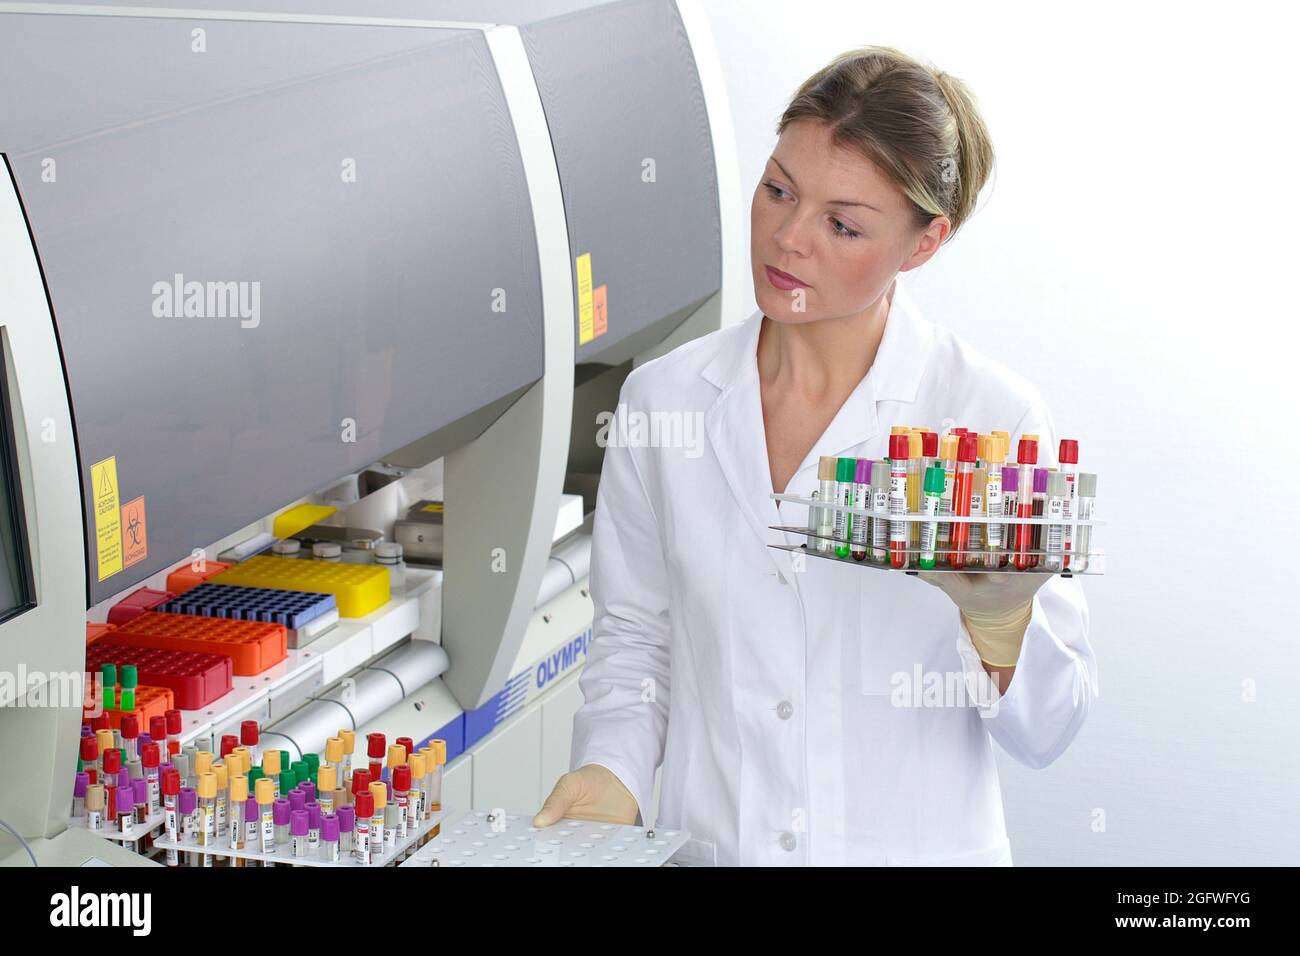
(899, 448)
(207, 790)
(1057, 493)
(967, 448)
(993, 507)
(826, 466)
(1040, 509)
(252, 825)
(930, 506)
(90, 757)
(150, 758)
(879, 512)
(1087, 487)
(419, 771)
(1026, 458)
(379, 794)
(347, 817)
(95, 807)
(313, 827)
(174, 726)
(238, 802)
(171, 788)
(915, 483)
(1010, 508)
(79, 786)
(349, 738)
(845, 469)
(271, 769)
(364, 808)
(298, 831)
(130, 732)
(265, 795)
(978, 489)
(327, 780)
(187, 801)
(402, 798)
(1069, 459)
(108, 686)
(861, 533)
(948, 458)
(329, 834)
(125, 810)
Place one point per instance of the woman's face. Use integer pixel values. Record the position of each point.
(831, 219)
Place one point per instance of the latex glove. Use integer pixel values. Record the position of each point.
(995, 607)
(591, 792)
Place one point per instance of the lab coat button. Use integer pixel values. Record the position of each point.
(785, 710)
(788, 842)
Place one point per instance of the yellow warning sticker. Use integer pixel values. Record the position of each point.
(586, 315)
(433, 506)
(135, 533)
(108, 516)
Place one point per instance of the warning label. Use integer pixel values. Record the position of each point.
(108, 518)
(135, 537)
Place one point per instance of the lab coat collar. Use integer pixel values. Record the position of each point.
(734, 421)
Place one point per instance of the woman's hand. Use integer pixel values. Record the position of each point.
(995, 607)
(589, 793)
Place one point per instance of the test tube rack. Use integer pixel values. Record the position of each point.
(480, 839)
(1095, 565)
(283, 854)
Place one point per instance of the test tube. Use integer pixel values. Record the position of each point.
(150, 759)
(347, 817)
(1026, 458)
(95, 807)
(221, 806)
(1069, 459)
(171, 788)
(1040, 509)
(298, 832)
(1087, 487)
(187, 801)
(365, 809)
(379, 793)
(238, 794)
(280, 814)
(207, 791)
(130, 734)
(391, 814)
(265, 794)
(130, 680)
(948, 457)
(402, 798)
(313, 826)
(108, 686)
(252, 824)
(125, 806)
(861, 533)
(915, 483)
(967, 449)
(79, 787)
(90, 757)
(978, 505)
(993, 506)
(327, 780)
(898, 533)
(329, 834)
(439, 750)
(174, 727)
(250, 737)
(349, 738)
(845, 469)
(930, 506)
(826, 469)
(419, 771)
(814, 523)
(271, 768)
(140, 795)
(1057, 493)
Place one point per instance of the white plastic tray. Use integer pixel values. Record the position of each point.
(481, 839)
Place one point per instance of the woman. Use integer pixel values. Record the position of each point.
(806, 712)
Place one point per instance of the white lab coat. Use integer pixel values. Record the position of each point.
(776, 696)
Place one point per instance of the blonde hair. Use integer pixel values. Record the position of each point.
(919, 125)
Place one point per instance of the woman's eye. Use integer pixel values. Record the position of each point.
(845, 231)
(775, 192)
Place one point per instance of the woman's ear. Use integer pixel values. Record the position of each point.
(927, 243)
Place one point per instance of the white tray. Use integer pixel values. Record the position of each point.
(481, 839)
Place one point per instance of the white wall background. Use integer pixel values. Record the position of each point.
(1135, 257)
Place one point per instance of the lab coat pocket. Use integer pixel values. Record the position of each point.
(907, 634)
(997, 855)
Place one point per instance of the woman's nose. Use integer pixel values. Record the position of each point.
(793, 235)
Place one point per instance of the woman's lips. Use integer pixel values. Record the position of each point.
(783, 280)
